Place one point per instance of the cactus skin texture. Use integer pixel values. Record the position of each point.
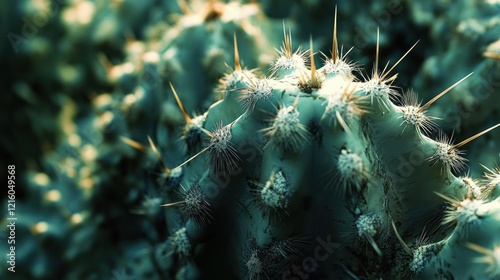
(306, 173)
(312, 173)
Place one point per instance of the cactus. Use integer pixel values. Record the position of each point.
(208, 27)
(307, 153)
(68, 212)
(306, 172)
(476, 27)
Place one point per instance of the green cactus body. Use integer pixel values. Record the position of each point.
(306, 173)
(317, 153)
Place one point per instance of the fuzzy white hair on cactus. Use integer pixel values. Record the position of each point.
(238, 77)
(351, 171)
(448, 154)
(286, 131)
(288, 61)
(222, 155)
(337, 65)
(180, 243)
(276, 193)
(368, 226)
(414, 114)
(464, 213)
(193, 205)
(259, 89)
(379, 85)
(422, 256)
(343, 106)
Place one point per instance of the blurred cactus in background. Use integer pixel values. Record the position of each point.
(464, 35)
(198, 140)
